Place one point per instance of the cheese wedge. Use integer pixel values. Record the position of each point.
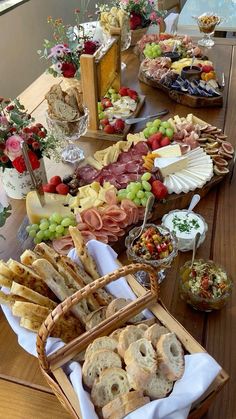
(170, 165)
(169, 151)
(53, 203)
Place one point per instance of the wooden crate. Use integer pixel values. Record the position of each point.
(51, 365)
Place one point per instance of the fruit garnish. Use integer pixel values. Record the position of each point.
(62, 189)
(159, 190)
(55, 180)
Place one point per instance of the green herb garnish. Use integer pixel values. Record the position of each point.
(185, 226)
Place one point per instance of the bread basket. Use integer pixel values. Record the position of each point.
(52, 365)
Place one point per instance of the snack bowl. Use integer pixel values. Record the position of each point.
(207, 23)
(185, 225)
(191, 72)
(206, 286)
(69, 130)
(173, 55)
(137, 250)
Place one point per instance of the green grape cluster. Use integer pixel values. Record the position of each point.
(152, 50)
(113, 95)
(50, 228)
(138, 192)
(152, 127)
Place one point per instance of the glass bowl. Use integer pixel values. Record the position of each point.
(185, 225)
(207, 23)
(158, 264)
(67, 132)
(206, 286)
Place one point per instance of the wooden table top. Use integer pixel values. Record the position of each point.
(23, 390)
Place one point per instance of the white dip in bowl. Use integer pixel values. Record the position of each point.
(185, 226)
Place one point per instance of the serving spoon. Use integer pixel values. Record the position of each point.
(195, 243)
(194, 201)
(148, 208)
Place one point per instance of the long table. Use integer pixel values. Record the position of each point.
(23, 390)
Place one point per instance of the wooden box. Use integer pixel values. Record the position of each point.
(51, 366)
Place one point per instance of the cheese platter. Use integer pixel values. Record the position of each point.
(107, 194)
(179, 68)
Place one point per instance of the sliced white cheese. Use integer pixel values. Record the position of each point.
(169, 151)
(178, 187)
(190, 182)
(170, 164)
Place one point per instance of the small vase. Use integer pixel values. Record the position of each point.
(17, 185)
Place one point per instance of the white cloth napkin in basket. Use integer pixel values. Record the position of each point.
(200, 369)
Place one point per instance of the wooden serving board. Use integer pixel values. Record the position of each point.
(182, 98)
(102, 135)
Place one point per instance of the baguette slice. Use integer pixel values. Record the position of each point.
(28, 257)
(33, 325)
(5, 282)
(170, 356)
(57, 284)
(142, 353)
(154, 333)
(93, 319)
(119, 303)
(138, 376)
(116, 334)
(127, 336)
(7, 272)
(112, 407)
(111, 383)
(104, 342)
(63, 111)
(9, 299)
(158, 386)
(129, 407)
(30, 310)
(32, 296)
(97, 363)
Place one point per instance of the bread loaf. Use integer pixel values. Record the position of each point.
(154, 332)
(104, 342)
(127, 336)
(111, 383)
(170, 356)
(112, 407)
(97, 363)
(142, 353)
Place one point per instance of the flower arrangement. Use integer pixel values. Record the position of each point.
(69, 43)
(142, 12)
(16, 126)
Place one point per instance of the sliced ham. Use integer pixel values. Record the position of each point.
(88, 235)
(81, 226)
(110, 197)
(115, 213)
(92, 218)
(63, 245)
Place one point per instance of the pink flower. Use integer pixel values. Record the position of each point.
(153, 17)
(58, 51)
(12, 147)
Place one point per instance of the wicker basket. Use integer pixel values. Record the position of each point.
(51, 365)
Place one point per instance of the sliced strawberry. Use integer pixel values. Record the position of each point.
(164, 142)
(159, 189)
(155, 144)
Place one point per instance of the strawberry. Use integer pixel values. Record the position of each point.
(123, 91)
(109, 129)
(104, 121)
(55, 180)
(49, 188)
(207, 68)
(106, 102)
(155, 144)
(165, 141)
(157, 137)
(159, 189)
(132, 94)
(119, 125)
(62, 189)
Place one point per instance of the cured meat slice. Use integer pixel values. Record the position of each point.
(63, 245)
(141, 148)
(108, 222)
(110, 197)
(81, 226)
(126, 204)
(124, 179)
(92, 218)
(86, 173)
(115, 213)
(88, 235)
(117, 169)
(131, 167)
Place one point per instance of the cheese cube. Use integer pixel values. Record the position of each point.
(170, 165)
(169, 151)
(53, 203)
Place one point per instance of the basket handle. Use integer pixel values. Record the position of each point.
(65, 306)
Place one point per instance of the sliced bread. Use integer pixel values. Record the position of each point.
(157, 386)
(142, 353)
(111, 383)
(119, 303)
(129, 407)
(170, 356)
(113, 406)
(97, 363)
(127, 336)
(94, 318)
(138, 376)
(104, 342)
(154, 332)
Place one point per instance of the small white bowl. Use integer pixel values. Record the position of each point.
(185, 227)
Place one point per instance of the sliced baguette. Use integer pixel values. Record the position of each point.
(142, 353)
(32, 296)
(137, 375)
(116, 334)
(30, 310)
(127, 336)
(113, 406)
(111, 383)
(170, 356)
(33, 325)
(9, 299)
(93, 319)
(129, 407)
(104, 342)
(5, 282)
(119, 303)
(28, 257)
(154, 332)
(158, 386)
(97, 363)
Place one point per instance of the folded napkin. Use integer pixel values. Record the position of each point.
(200, 369)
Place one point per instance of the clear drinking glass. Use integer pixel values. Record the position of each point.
(159, 264)
(207, 23)
(67, 133)
(125, 40)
